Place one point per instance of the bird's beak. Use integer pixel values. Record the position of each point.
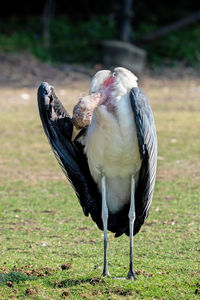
(75, 132)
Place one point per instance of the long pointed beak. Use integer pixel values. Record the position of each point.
(75, 132)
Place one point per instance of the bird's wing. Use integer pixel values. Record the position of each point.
(58, 127)
(147, 140)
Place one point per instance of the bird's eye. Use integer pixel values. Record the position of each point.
(114, 74)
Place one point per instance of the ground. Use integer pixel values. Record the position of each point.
(49, 249)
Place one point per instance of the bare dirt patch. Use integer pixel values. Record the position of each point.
(187, 168)
(65, 294)
(31, 292)
(10, 284)
(66, 266)
(27, 270)
(23, 70)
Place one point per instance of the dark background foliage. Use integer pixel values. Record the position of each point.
(77, 28)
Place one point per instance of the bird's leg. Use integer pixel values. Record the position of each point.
(131, 215)
(104, 216)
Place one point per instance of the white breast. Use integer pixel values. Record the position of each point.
(111, 146)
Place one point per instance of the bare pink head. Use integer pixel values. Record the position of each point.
(104, 85)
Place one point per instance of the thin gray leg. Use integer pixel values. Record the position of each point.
(104, 216)
(131, 215)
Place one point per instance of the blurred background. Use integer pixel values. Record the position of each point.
(72, 31)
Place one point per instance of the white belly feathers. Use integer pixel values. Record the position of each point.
(111, 146)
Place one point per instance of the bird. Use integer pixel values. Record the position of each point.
(107, 150)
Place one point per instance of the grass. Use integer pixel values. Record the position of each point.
(49, 250)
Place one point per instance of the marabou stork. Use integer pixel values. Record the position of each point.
(111, 163)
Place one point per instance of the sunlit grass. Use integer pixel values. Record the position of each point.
(43, 226)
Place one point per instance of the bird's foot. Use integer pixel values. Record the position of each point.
(106, 273)
(131, 275)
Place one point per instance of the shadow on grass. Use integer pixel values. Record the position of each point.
(14, 277)
(73, 282)
(96, 281)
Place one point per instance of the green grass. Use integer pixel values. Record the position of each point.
(43, 227)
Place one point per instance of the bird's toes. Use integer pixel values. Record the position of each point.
(131, 275)
(106, 274)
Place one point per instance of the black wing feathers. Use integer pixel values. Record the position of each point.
(147, 139)
(58, 127)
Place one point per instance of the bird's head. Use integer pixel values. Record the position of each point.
(120, 80)
(105, 89)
